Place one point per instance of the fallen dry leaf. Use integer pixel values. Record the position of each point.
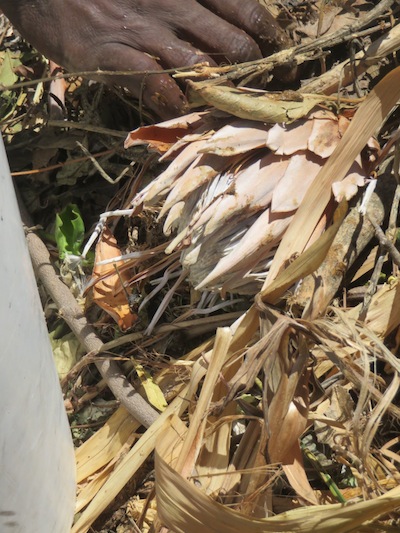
(183, 507)
(108, 291)
(257, 105)
(162, 136)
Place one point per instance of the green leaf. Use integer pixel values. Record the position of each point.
(9, 61)
(69, 231)
(66, 352)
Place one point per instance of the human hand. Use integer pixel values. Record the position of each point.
(146, 35)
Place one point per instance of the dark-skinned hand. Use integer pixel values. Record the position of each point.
(146, 35)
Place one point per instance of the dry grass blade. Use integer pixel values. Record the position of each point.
(127, 467)
(316, 291)
(376, 416)
(383, 316)
(105, 444)
(306, 263)
(182, 508)
(193, 440)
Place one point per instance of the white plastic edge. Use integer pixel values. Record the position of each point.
(37, 467)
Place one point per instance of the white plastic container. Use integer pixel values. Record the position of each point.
(37, 468)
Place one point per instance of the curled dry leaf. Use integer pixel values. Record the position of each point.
(108, 291)
(162, 136)
(258, 105)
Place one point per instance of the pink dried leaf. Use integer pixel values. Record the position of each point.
(301, 171)
(162, 185)
(290, 138)
(239, 137)
(200, 172)
(174, 214)
(255, 244)
(252, 191)
(348, 187)
(209, 201)
(181, 144)
(324, 137)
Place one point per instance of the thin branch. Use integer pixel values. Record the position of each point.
(73, 315)
(386, 243)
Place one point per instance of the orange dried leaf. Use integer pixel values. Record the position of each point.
(162, 136)
(107, 292)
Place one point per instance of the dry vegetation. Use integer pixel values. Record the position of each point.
(246, 284)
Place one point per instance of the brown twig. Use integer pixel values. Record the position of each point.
(71, 312)
(347, 32)
(86, 127)
(386, 243)
(61, 165)
(299, 53)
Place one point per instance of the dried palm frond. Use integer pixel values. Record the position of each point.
(231, 192)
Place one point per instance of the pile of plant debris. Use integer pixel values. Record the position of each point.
(236, 365)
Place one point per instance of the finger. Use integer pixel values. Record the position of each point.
(159, 92)
(214, 35)
(169, 50)
(254, 19)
